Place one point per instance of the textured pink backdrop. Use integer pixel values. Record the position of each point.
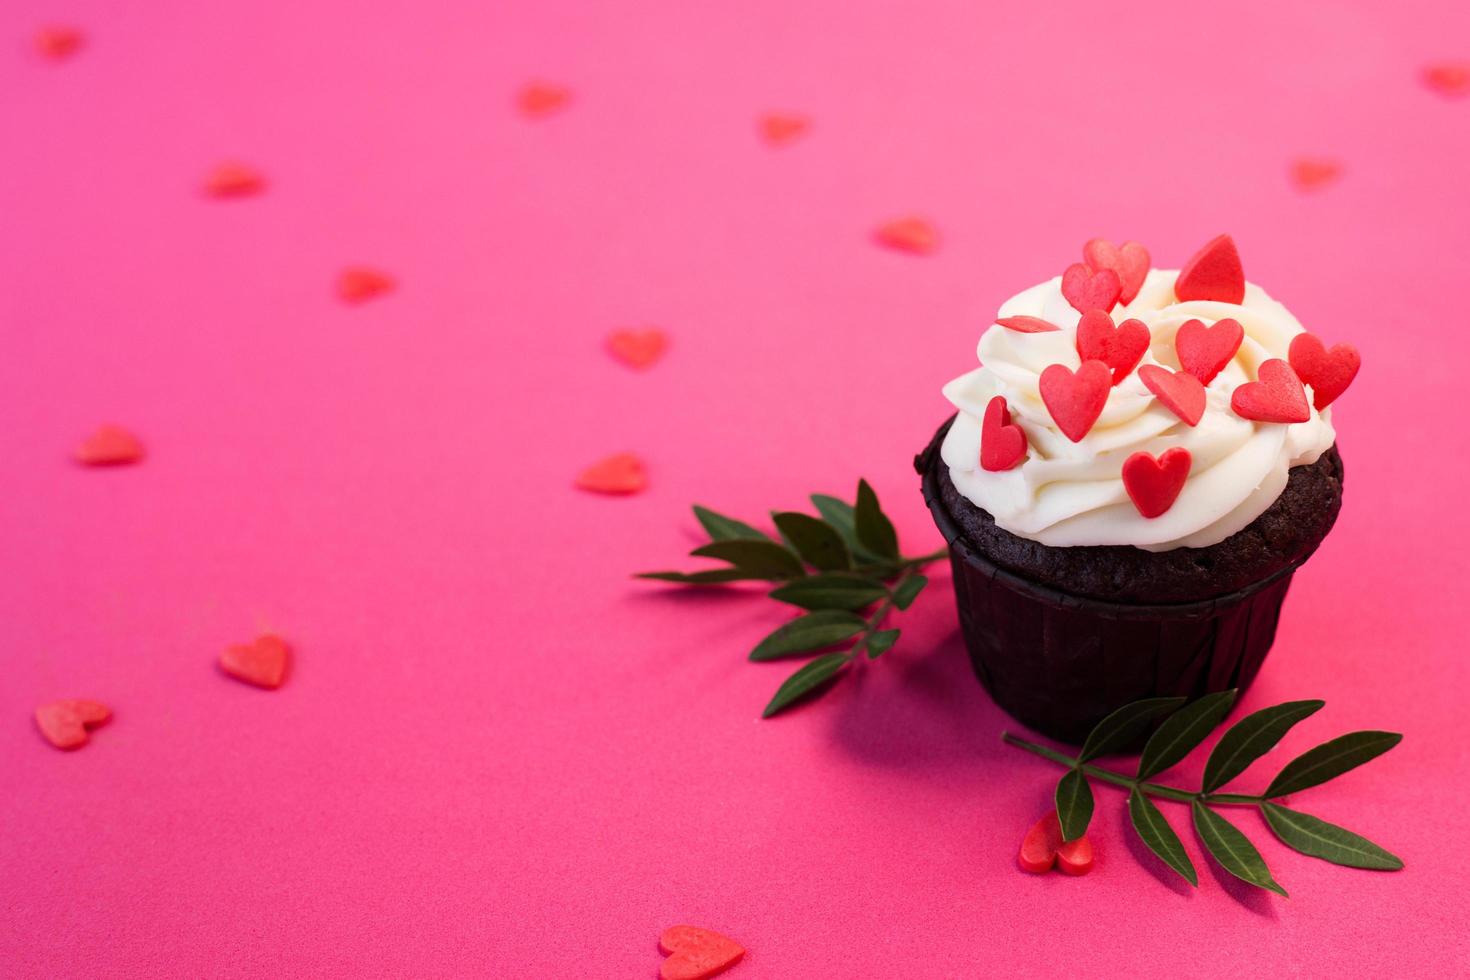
(500, 757)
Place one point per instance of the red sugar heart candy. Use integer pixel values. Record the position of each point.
(1328, 371)
(1178, 391)
(537, 100)
(1154, 484)
(1087, 289)
(1310, 173)
(1204, 351)
(914, 235)
(64, 723)
(231, 179)
(1120, 347)
(619, 473)
(1039, 846)
(1451, 78)
(1277, 395)
(1129, 260)
(1002, 445)
(262, 663)
(358, 284)
(1075, 857)
(694, 953)
(1027, 324)
(1214, 273)
(780, 128)
(1076, 400)
(109, 445)
(57, 43)
(637, 348)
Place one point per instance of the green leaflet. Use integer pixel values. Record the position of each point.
(1250, 738)
(817, 542)
(908, 590)
(1074, 804)
(722, 528)
(873, 527)
(832, 590)
(805, 681)
(811, 632)
(1330, 760)
(1231, 850)
(1120, 728)
(840, 514)
(1318, 838)
(1182, 731)
(881, 642)
(1159, 837)
(764, 559)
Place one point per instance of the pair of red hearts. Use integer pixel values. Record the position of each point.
(1043, 848)
(1107, 275)
(695, 953)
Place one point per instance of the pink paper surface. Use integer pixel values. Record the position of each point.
(497, 755)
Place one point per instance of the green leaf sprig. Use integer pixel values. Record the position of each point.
(843, 566)
(1183, 728)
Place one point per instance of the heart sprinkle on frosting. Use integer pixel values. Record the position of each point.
(1277, 395)
(1120, 347)
(1130, 261)
(1089, 289)
(1075, 400)
(1204, 351)
(1154, 484)
(1178, 391)
(1002, 444)
(694, 953)
(64, 723)
(1027, 324)
(1328, 371)
(1214, 273)
(262, 663)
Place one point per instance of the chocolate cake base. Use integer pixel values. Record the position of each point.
(1063, 636)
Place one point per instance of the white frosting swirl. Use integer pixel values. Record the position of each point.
(1067, 494)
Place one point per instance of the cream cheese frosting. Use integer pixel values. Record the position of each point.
(1071, 493)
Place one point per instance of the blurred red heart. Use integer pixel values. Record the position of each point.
(262, 663)
(619, 473)
(1450, 78)
(231, 179)
(695, 953)
(637, 347)
(908, 235)
(780, 128)
(59, 42)
(540, 99)
(109, 445)
(1310, 173)
(358, 284)
(65, 723)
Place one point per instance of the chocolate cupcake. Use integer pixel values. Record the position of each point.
(1135, 472)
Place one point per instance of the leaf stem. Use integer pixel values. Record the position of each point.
(1130, 782)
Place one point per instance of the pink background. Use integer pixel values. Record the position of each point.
(498, 756)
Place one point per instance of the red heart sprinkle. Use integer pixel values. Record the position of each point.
(1087, 289)
(1277, 396)
(1214, 273)
(780, 128)
(1075, 857)
(1120, 347)
(694, 953)
(1310, 173)
(1450, 78)
(1178, 391)
(537, 100)
(65, 723)
(58, 43)
(1154, 484)
(911, 234)
(231, 179)
(1002, 445)
(262, 663)
(1329, 372)
(110, 445)
(637, 348)
(358, 284)
(1076, 400)
(1027, 324)
(1130, 261)
(619, 473)
(1043, 847)
(1204, 351)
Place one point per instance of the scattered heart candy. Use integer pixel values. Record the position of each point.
(780, 128)
(1154, 484)
(1329, 372)
(1002, 444)
(1204, 351)
(57, 43)
(1310, 173)
(358, 284)
(1277, 395)
(231, 179)
(1214, 273)
(694, 953)
(914, 235)
(109, 445)
(1120, 347)
(619, 473)
(1075, 400)
(262, 663)
(637, 348)
(1043, 847)
(1088, 289)
(1129, 260)
(64, 723)
(1075, 857)
(1027, 324)
(1451, 78)
(1178, 391)
(537, 100)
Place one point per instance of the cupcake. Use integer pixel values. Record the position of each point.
(1135, 471)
